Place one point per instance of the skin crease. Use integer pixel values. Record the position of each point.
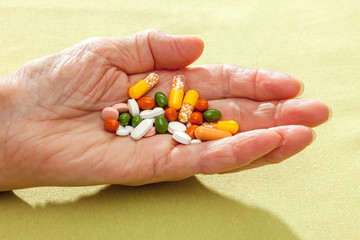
(52, 133)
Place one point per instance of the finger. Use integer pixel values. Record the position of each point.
(154, 49)
(294, 140)
(255, 115)
(229, 81)
(216, 156)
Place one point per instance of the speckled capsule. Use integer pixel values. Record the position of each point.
(188, 106)
(177, 92)
(143, 86)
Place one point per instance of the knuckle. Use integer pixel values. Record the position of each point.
(153, 31)
(95, 44)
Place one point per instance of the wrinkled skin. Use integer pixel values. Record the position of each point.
(52, 133)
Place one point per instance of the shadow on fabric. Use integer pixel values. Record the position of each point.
(170, 210)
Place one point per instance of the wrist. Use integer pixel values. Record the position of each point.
(8, 92)
(6, 95)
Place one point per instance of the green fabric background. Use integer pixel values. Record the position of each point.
(314, 195)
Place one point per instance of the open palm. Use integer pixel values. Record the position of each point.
(54, 132)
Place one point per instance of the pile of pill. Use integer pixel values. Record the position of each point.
(182, 116)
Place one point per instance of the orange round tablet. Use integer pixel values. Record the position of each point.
(146, 103)
(201, 105)
(111, 125)
(196, 118)
(170, 114)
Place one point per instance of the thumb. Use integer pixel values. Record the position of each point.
(154, 49)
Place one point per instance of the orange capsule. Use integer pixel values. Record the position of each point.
(205, 133)
(146, 103)
(170, 114)
(191, 130)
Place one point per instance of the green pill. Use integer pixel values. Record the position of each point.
(161, 124)
(124, 119)
(212, 115)
(136, 120)
(161, 99)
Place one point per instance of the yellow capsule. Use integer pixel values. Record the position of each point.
(191, 97)
(188, 105)
(143, 86)
(230, 126)
(177, 92)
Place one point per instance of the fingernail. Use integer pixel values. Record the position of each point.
(330, 114)
(313, 135)
(302, 87)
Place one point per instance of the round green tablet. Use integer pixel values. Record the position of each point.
(124, 119)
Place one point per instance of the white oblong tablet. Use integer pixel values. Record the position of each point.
(157, 111)
(194, 141)
(146, 114)
(181, 137)
(122, 131)
(129, 128)
(133, 107)
(176, 126)
(142, 129)
(152, 113)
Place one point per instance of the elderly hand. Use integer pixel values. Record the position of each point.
(52, 133)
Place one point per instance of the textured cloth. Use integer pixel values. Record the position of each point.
(314, 195)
